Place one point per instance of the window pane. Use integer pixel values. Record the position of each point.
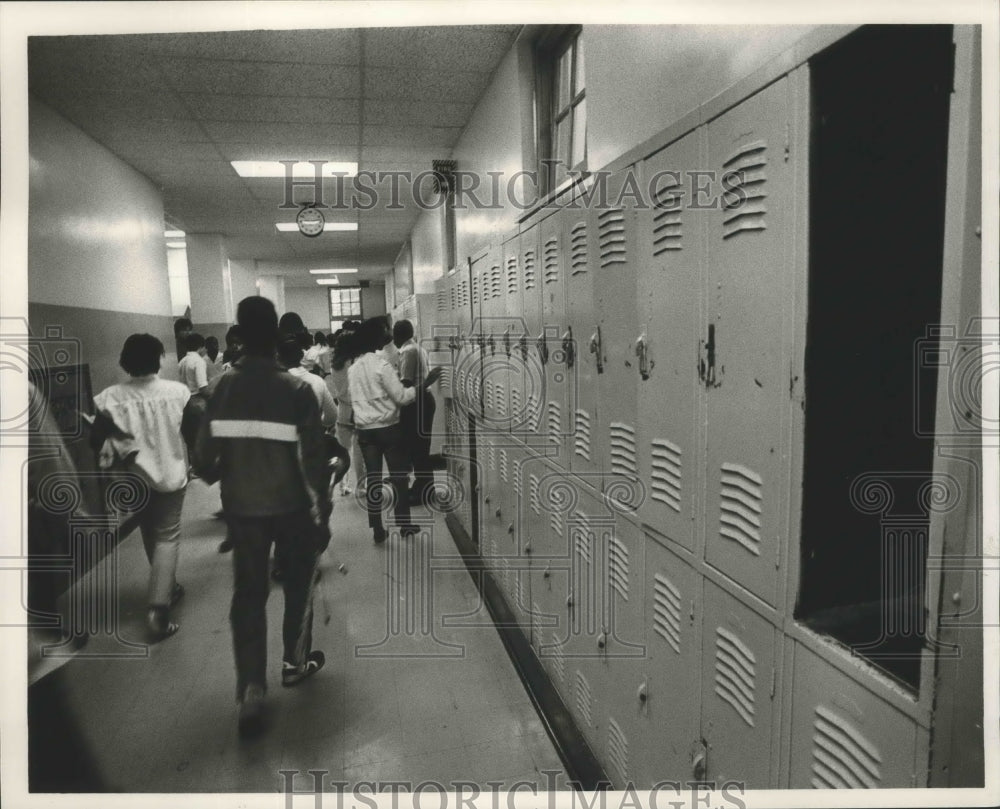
(562, 141)
(580, 133)
(578, 84)
(563, 79)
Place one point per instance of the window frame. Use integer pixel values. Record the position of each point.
(550, 48)
(352, 314)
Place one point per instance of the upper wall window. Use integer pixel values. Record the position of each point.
(561, 105)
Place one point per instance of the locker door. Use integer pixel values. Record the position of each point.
(580, 226)
(738, 691)
(665, 342)
(527, 380)
(669, 725)
(844, 736)
(746, 351)
(559, 388)
(442, 328)
(624, 647)
(507, 329)
(612, 343)
(493, 314)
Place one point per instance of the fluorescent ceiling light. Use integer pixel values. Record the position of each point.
(292, 227)
(303, 170)
(176, 244)
(329, 272)
(173, 234)
(327, 281)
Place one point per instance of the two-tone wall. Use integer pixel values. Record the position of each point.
(97, 264)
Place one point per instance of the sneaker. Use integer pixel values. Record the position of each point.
(226, 545)
(345, 491)
(293, 675)
(379, 535)
(251, 720)
(409, 531)
(176, 594)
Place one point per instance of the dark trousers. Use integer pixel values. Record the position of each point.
(417, 421)
(294, 535)
(387, 443)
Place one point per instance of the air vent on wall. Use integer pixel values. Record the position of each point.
(578, 248)
(842, 757)
(665, 480)
(745, 209)
(550, 261)
(623, 449)
(740, 506)
(735, 674)
(667, 611)
(611, 236)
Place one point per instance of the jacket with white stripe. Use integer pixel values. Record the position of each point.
(262, 437)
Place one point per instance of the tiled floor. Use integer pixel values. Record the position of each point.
(402, 697)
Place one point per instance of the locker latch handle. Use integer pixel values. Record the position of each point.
(567, 345)
(543, 347)
(706, 368)
(522, 343)
(642, 352)
(506, 340)
(492, 345)
(595, 348)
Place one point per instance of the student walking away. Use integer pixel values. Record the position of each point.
(416, 419)
(193, 369)
(340, 365)
(263, 439)
(234, 348)
(149, 413)
(290, 356)
(376, 396)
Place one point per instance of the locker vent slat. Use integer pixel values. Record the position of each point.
(581, 436)
(842, 757)
(536, 625)
(667, 611)
(623, 449)
(529, 269)
(494, 287)
(446, 378)
(501, 399)
(463, 293)
(488, 395)
(581, 541)
(512, 275)
(618, 567)
(743, 206)
(554, 421)
(504, 567)
(550, 261)
(534, 413)
(611, 237)
(558, 657)
(578, 248)
(454, 296)
(503, 465)
(556, 523)
(536, 504)
(491, 454)
(667, 222)
(584, 700)
(618, 750)
(523, 597)
(740, 506)
(442, 300)
(515, 404)
(665, 479)
(735, 673)
(516, 474)
(475, 290)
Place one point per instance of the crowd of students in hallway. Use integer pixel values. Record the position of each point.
(275, 419)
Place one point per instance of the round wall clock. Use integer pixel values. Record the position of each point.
(310, 221)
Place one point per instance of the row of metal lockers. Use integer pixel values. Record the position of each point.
(626, 380)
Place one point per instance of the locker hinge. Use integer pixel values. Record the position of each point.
(777, 554)
(774, 682)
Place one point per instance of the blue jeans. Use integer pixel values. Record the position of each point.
(387, 443)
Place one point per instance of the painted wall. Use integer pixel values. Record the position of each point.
(373, 300)
(312, 305)
(243, 277)
(427, 251)
(640, 79)
(97, 263)
(211, 300)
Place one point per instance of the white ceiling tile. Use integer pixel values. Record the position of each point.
(261, 78)
(280, 133)
(442, 48)
(334, 46)
(416, 113)
(297, 109)
(454, 86)
(420, 136)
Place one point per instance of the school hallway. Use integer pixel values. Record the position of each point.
(402, 697)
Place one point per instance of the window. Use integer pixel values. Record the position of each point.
(345, 304)
(561, 106)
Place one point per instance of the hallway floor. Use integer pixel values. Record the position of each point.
(417, 684)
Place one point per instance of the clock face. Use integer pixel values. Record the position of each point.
(310, 222)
